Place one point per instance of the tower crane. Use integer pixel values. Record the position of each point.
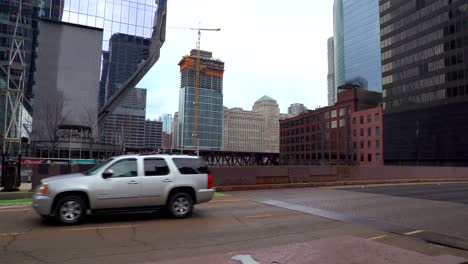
(197, 81)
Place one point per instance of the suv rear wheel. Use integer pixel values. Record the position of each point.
(70, 210)
(180, 205)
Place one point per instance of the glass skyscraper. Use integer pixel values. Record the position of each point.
(357, 43)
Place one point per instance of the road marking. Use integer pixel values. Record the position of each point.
(377, 237)
(13, 206)
(259, 216)
(414, 232)
(97, 227)
(12, 234)
(223, 201)
(245, 259)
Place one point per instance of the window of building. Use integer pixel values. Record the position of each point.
(369, 119)
(377, 118)
(327, 125)
(377, 144)
(362, 157)
(362, 144)
(354, 120)
(354, 145)
(354, 133)
(369, 157)
(156, 167)
(377, 131)
(326, 115)
(369, 144)
(369, 132)
(361, 120)
(362, 132)
(342, 111)
(334, 124)
(377, 158)
(333, 113)
(342, 122)
(307, 129)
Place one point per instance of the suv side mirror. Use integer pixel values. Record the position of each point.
(108, 173)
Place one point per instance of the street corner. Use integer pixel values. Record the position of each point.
(336, 250)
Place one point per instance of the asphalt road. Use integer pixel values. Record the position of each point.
(219, 230)
(379, 207)
(456, 192)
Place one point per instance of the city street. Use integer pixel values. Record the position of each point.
(230, 226)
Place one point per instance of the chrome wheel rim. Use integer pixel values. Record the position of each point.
(70, 211)
(181, 206)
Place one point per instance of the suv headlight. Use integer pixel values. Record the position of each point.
(43, 189)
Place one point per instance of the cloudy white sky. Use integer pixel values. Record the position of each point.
(270, 47)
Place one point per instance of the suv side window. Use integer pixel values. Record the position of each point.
(124, 168)
(156, 167)
(191, 166)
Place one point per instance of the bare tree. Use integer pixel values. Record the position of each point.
(89, 119)
(48, 120)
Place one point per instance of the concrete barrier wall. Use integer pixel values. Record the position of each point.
(261, 175)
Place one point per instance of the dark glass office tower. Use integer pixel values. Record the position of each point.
(126, 52)
(425, 81)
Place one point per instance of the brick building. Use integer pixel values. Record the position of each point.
(326, 134)
(367, 136)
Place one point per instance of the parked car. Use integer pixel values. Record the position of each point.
(131, 183)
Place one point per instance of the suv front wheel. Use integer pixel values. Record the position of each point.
(180, 205)
(70, 210)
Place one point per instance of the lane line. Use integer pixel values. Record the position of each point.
(225, 201)
(259, 216)
(414, 232)
(13, 206)
(97, 227)
(12, 234)
(377, 237)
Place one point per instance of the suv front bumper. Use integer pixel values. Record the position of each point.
(42, 204)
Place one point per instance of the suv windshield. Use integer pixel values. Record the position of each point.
(97, 167)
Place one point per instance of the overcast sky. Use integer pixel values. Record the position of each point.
(270, 47)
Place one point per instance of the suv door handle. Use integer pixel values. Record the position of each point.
(167, 180)
(132, 182)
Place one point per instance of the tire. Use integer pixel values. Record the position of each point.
(180, 205)
(70, 210)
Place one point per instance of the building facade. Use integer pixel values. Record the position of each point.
(166, 119)
(63, 97)
(153, 134)
(325, 134)
(425, 82)
(243, 130)
(357, 43)
(296, 109)
(367, 137)
(331, 88)
(210, 102)
(126, 126)
(269, 109)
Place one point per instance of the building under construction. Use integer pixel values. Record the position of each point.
(209, 121)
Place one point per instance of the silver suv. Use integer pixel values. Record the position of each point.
(133, 183)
